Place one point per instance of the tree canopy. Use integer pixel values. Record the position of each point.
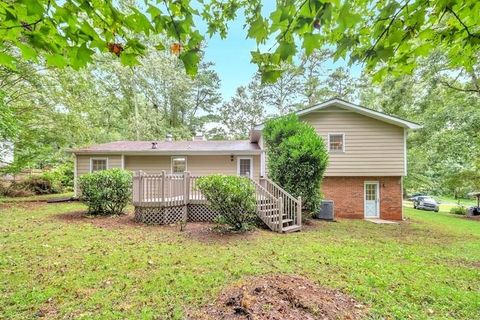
(387, 36)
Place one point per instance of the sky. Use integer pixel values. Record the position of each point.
(232, 58)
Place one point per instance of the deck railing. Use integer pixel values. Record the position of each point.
(292, 207)
(269, 208)
(274, 204)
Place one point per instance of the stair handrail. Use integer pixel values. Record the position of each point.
(292, 206)
(275, 227)
(285, 193)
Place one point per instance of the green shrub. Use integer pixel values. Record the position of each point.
(232, 197)
(62, 175)
(106, 192)
(297, 158)
(459, 209)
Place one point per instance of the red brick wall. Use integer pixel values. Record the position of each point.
(347, 194)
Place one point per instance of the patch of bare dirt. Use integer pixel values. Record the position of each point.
(200, 231)
(209, 232)
(22, 204)
(474, 218)
(112, 222)
(280, 297)
(466, 263)
(314, 224)
(48, 310)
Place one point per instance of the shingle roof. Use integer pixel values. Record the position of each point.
(178, 147)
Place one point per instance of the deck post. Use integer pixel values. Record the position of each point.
(186, 187)
(299, 211)
(280, 214)
(163, 188)
(186, 196)
(136, 188)
(140, 188)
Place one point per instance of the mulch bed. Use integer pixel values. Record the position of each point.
(199, 231)
(474, 218)
(280, 297)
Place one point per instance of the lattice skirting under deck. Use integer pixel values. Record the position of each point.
(169, 215)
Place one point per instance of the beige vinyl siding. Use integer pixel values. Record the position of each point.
(372, 147)
(197, 165)
(148, 164)
(83, 162)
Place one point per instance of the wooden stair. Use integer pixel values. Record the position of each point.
(269, 208)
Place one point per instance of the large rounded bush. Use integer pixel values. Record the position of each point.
(106, 192)
(232, 197)
(297, 158)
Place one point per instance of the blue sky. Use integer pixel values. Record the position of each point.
(232, 55)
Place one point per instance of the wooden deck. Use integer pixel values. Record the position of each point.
(279, 210)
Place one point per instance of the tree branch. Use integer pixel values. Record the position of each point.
(463, 24)
(289, 25)
(173, 22)
(385, 31)
(445, 83)
(28, 26)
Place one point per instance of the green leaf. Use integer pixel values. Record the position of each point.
(190, 60)
(84, 55)
(27, 52)
(270, 76)
(7, 60)
(286, 50)
(129, 59)
(311, 42)
(258, 29)
(160, 47)
(56, 60)
(33, 7)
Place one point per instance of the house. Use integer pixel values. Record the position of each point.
(367, 152)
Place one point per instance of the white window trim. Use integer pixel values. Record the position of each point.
(365, 199)
(171, 163)
(98, 158)
(336, 134)
(251, 165)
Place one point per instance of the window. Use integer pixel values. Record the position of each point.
(179, 164)
(336, 142)
(244, 167)
(98, 164)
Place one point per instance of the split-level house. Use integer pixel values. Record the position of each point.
(367, 158)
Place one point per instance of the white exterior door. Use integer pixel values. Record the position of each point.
(372, 199)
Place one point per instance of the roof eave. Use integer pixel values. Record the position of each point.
(168, 152)
(362, 110)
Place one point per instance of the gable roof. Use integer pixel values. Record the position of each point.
(173, 147)
(361, 110)
(358, 109)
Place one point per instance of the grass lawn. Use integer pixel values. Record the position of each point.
(428, 267)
